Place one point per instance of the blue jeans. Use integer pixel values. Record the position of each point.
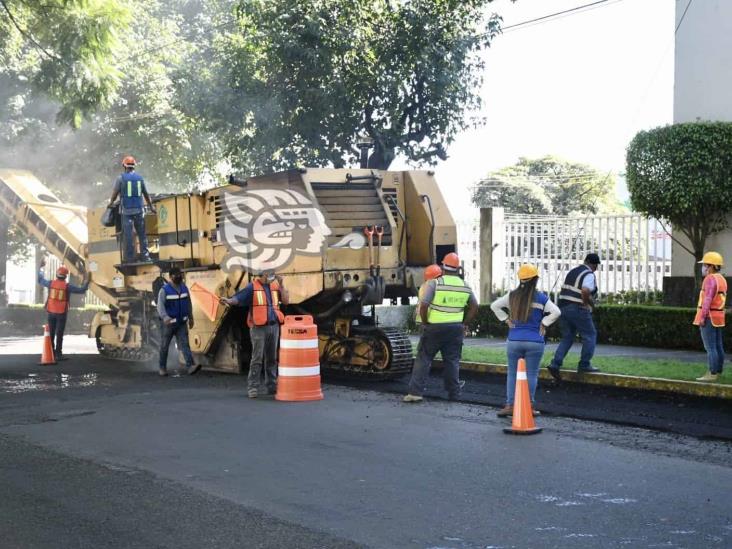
(444, 338)
(179, 331)
(712, 339)
(531, 351)
(575, 319)
(137, 222)
(56, 327)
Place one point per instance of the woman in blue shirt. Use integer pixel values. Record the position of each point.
(527, 312)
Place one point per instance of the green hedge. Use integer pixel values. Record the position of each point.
(633, 325)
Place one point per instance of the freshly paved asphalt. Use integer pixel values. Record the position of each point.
(103, 454)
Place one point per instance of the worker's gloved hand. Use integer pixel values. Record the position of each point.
(153, 210)
(191, 323)
(227, 301)
(169, 321)
(542, 330)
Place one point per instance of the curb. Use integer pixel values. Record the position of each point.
(693, 388)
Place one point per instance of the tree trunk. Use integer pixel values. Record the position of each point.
(4, 226)
(698, 254)
(382, 157)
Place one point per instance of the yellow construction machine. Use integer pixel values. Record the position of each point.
(342, 240)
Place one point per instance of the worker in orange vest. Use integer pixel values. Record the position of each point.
(710, 313)
(264, 296)
(57, 304)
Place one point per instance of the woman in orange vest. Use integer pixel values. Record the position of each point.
(57, 304)
(263, 296)
(710, 313)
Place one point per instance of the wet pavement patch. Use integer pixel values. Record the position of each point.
(46, 381)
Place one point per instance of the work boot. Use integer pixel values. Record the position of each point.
(59, 356)
(412, 398)
(193, 369)
(709, 376)
(554, 371)
(588, 370)
(506, 411)
(162, 372)
(252, 393)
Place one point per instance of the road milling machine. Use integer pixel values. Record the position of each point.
(343, 241)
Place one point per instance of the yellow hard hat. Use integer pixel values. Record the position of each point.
(527, 272)
(713, 258)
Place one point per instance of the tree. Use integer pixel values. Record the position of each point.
(683, 173)
(298, 80)
(64, 49)
(548, 186)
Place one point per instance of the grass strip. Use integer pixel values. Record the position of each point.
(658, 368)
(667, 369)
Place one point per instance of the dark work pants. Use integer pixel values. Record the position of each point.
(56, 326)
(179, 331)
(438, 338)
(264, 357)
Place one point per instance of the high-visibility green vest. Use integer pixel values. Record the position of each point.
(452, 295)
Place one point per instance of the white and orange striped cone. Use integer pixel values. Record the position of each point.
(47, 357)
(523, 416)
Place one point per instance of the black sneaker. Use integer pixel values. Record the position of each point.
(588, 370)
(59, 357)
(554, 371)
(193, 369)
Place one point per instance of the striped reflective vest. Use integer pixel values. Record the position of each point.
(529, 330)
(716, 309)
(131, 191)
(58, 297)
(177, 302)
(572, 287)
(452, 295)
(259, 311)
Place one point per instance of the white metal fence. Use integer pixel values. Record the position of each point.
(635, 251)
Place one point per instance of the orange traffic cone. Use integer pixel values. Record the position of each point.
(298, 374)
(47, 357)
(523, 415)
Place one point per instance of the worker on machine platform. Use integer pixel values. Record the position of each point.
(131, 188)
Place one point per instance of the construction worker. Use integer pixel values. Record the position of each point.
(57, 304)
(431, 272)
(442, 312)
(576, 300)
(131, 188)
(710, 313)
(263, 296)
(176, 314)
(529, 313)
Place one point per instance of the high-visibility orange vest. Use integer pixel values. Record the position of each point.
(716, 309)
(58, 297)
(259, 311)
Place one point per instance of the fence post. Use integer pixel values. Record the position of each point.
(492, 251)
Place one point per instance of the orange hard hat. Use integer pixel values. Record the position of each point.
(451, 260)
(62, 271)
(432, 271)
(129, 162)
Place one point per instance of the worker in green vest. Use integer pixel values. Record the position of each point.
(443, 305)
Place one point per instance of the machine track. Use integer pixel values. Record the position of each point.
(372, 353)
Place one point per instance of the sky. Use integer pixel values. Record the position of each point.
(580, 87)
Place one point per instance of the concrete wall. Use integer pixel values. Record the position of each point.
(29, 321)
(702, 89)
(703, 61)
(394, 316)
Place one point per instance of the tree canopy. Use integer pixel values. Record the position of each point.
(298, 80)
(683, 173)
(548, 186)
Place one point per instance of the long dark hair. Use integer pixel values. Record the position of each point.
(520, 300)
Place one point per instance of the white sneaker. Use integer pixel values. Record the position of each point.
(412, 398)
(709, 376)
